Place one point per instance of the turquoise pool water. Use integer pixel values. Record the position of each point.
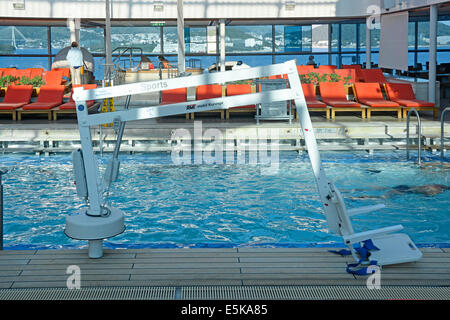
(169, 205)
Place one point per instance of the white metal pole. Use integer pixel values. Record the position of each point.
(222, 45)
(368, 48)
(108, 49)
(181, 46)
(432, 59)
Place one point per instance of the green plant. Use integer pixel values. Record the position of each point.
(333, 77)
(348, 80)
(36, 81)
(7, 80)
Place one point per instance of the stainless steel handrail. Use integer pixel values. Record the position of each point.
(442, 131)
(419, 135)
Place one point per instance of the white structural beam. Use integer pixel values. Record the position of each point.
(180, 29)
(432, 59)
(222, 44)
(368, 47)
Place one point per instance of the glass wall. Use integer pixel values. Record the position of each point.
(255, 45)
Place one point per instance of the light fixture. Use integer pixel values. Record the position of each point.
(18, 4)
(289, 5)
(158, 6)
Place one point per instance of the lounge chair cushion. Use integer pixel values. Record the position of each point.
(379, 103)
(342, 103)
(41, 106)
(71, 105)
(315, 104)
(414, 103)
(18, 94)
(237, 89)
(11, 106)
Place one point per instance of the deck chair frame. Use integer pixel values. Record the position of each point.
(86, 224)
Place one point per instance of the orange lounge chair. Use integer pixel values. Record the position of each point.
(69, 107)
(34, 72)
(345, 73)
(15, 98)
(335, 95)
(372, 75)
(327, 68)
(305, 69)
(312, 103)
(208, 91)
(370, 95)
(65, 74)
(237, 89)
(20, 73)
(53, 77)
(50, 96)
(173, 96)
(403, 94)
(358, 71)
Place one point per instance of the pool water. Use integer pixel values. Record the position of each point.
(169, 205)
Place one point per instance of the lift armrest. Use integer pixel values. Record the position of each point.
(366, 209)
(361, 236)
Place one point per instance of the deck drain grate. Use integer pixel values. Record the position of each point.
(314, 293)
(99, 293)
(230, 293)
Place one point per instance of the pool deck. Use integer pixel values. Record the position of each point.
(242, 266)
(346, 132)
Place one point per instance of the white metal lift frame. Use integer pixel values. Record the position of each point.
(334, 207)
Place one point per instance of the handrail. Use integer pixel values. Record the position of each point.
(442, 131)
(2, 172)
(419, 135)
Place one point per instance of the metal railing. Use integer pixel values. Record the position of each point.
(2, 172)
(442, 131)
(419, 136)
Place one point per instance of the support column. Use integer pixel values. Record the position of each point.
(368, 48)
(180, 29)
(222, 44)
(108, 49)
(432, 59)
(74, 28)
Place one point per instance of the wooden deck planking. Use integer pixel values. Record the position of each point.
(228, 266)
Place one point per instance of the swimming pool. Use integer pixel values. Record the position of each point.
(169, 205)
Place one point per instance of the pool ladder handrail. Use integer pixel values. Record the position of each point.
(442, 131)
(419, 135)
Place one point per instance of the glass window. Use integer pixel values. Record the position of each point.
(146, 38)
(423, 36)
(443, 35)
(93, 39)
(170, 39)
(253, 60)
(195, 40)
(348, 37)
(411, 35)
(334, 37)
(362, 36)
(23, 40)
(375, 38)
(60, 37)
(319, 35)
(24, 62)
(248, 38)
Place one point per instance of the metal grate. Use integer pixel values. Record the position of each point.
(314, 293)
(230, 293)
(109, 293)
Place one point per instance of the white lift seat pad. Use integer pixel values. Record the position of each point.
(394, 248)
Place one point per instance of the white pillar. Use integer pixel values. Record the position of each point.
(432, 59)
(74, 29)
(180, 29)
(108, 49)
(222, 45)
(368, 48)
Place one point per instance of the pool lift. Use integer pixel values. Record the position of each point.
(100, 221)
